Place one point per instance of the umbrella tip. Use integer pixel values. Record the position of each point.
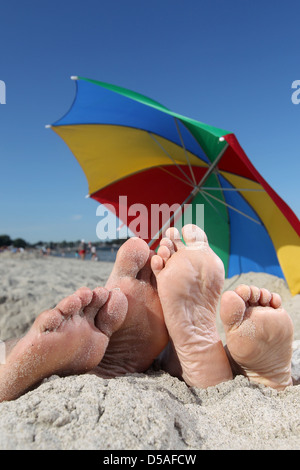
(87, 196)
(74, 77)
(221, 139)
(48, 126)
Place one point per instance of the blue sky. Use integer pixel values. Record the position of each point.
(229, 63)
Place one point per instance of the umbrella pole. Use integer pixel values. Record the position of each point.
(167, 224)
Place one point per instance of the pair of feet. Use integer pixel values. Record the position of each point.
(259, 332)
(152, 304)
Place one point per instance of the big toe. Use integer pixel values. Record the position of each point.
(112, 314)
(131, 258)
(194, 235)
(232, 310)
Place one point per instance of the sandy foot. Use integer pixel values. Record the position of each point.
(259, 334)
(190, 278)
(64, 340)
(143, 334)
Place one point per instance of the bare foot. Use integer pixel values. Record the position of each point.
(143, 334)
(63, 340)
(259, 335)
(189, 280)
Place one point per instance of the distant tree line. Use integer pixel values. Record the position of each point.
(5, 240)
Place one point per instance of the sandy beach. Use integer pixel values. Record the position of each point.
(151, 411)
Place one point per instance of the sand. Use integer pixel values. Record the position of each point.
(150, 411)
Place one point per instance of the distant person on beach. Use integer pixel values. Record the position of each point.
(157, 305)
(94, 256)
(44, 251)
(82, 250)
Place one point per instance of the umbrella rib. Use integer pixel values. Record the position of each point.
(171, 158)
(185, 152)
(235, 189)
(214, 207)
(230, 207)
(177, 177)
(198, 143)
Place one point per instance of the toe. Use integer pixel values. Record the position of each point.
(265, 297)
(164, 252)
(275, 300)
(112, 315)
(173, 234)
(100, 297)
(244, 292)
(193, 235)
(131, 258)
(157, 264)
(254, 295)
(75, 302)
(232, 310)
(169, 244)
(85, 294)
(50, 320)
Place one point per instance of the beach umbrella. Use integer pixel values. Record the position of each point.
(152, 166)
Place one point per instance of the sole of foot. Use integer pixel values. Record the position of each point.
(143, 335)
(190, 278)
(69, 339)
(259, 335)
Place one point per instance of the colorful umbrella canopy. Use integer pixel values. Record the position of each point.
(129, 145)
